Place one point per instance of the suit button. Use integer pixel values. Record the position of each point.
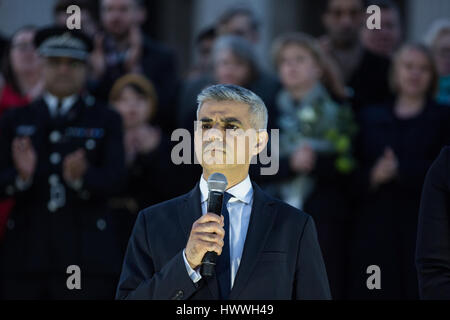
(52, 206)
(101, 224)
(90, 144)
(55, 136)
(179, 295)
(55, 158)
(53, 179)
(10, 224)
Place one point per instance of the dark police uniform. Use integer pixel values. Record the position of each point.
(55, 224)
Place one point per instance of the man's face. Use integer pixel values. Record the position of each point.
(118, 16)
(239, 25)
(224, 136)
(64, 76)
(343, 20)
(385, 40)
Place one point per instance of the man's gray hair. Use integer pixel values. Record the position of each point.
(436, 29)
(229, 92)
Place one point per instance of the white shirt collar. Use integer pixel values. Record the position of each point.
(52, 102)
(243, 191)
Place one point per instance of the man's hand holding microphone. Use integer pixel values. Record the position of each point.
(206, 239)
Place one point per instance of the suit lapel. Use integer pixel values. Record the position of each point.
(261, 220)
(189, 212)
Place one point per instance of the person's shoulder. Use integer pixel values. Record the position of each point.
(25, 110)
(156, 48)
(100, 110)
(375, 60)
(285, 211)
(444, 155)
(437, 106)
(290, 213)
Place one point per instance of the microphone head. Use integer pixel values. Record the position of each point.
(217, 182)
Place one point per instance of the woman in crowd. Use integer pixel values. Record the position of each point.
(397, 143)
(21, 70)
(147, 151)
(438, 39)
(315, 144)
(22, 84)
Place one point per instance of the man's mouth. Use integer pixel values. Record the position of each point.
(215, 149)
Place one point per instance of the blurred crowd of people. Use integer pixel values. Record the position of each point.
(362, 115)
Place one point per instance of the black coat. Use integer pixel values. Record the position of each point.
(386, 218)
(433, 236)
(370, 81)
(52, 224)
(281, 257)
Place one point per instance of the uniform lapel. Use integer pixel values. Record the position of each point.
(189, 212)
(261, 221)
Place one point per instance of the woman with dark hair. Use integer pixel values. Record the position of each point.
(147, 151)
(21, 70)
(398, 142)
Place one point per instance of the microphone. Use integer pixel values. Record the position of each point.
(217, 183)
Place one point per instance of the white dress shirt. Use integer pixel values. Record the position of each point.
(52, 103)
(239, 209)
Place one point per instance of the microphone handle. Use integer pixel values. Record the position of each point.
(208, 265)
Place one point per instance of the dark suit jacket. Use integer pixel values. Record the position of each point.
(433, 238)
(281, 258)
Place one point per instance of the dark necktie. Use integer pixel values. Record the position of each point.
(57, 117)
(58, 109)
(223, 267)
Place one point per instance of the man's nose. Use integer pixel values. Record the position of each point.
(213, 134)
(63, 67)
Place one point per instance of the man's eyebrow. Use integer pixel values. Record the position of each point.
(226, 120)
(231, 119)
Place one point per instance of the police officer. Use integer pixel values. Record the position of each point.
(61, 157)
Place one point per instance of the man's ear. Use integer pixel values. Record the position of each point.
(262, 138)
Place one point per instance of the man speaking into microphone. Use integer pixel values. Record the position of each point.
(257, 247)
